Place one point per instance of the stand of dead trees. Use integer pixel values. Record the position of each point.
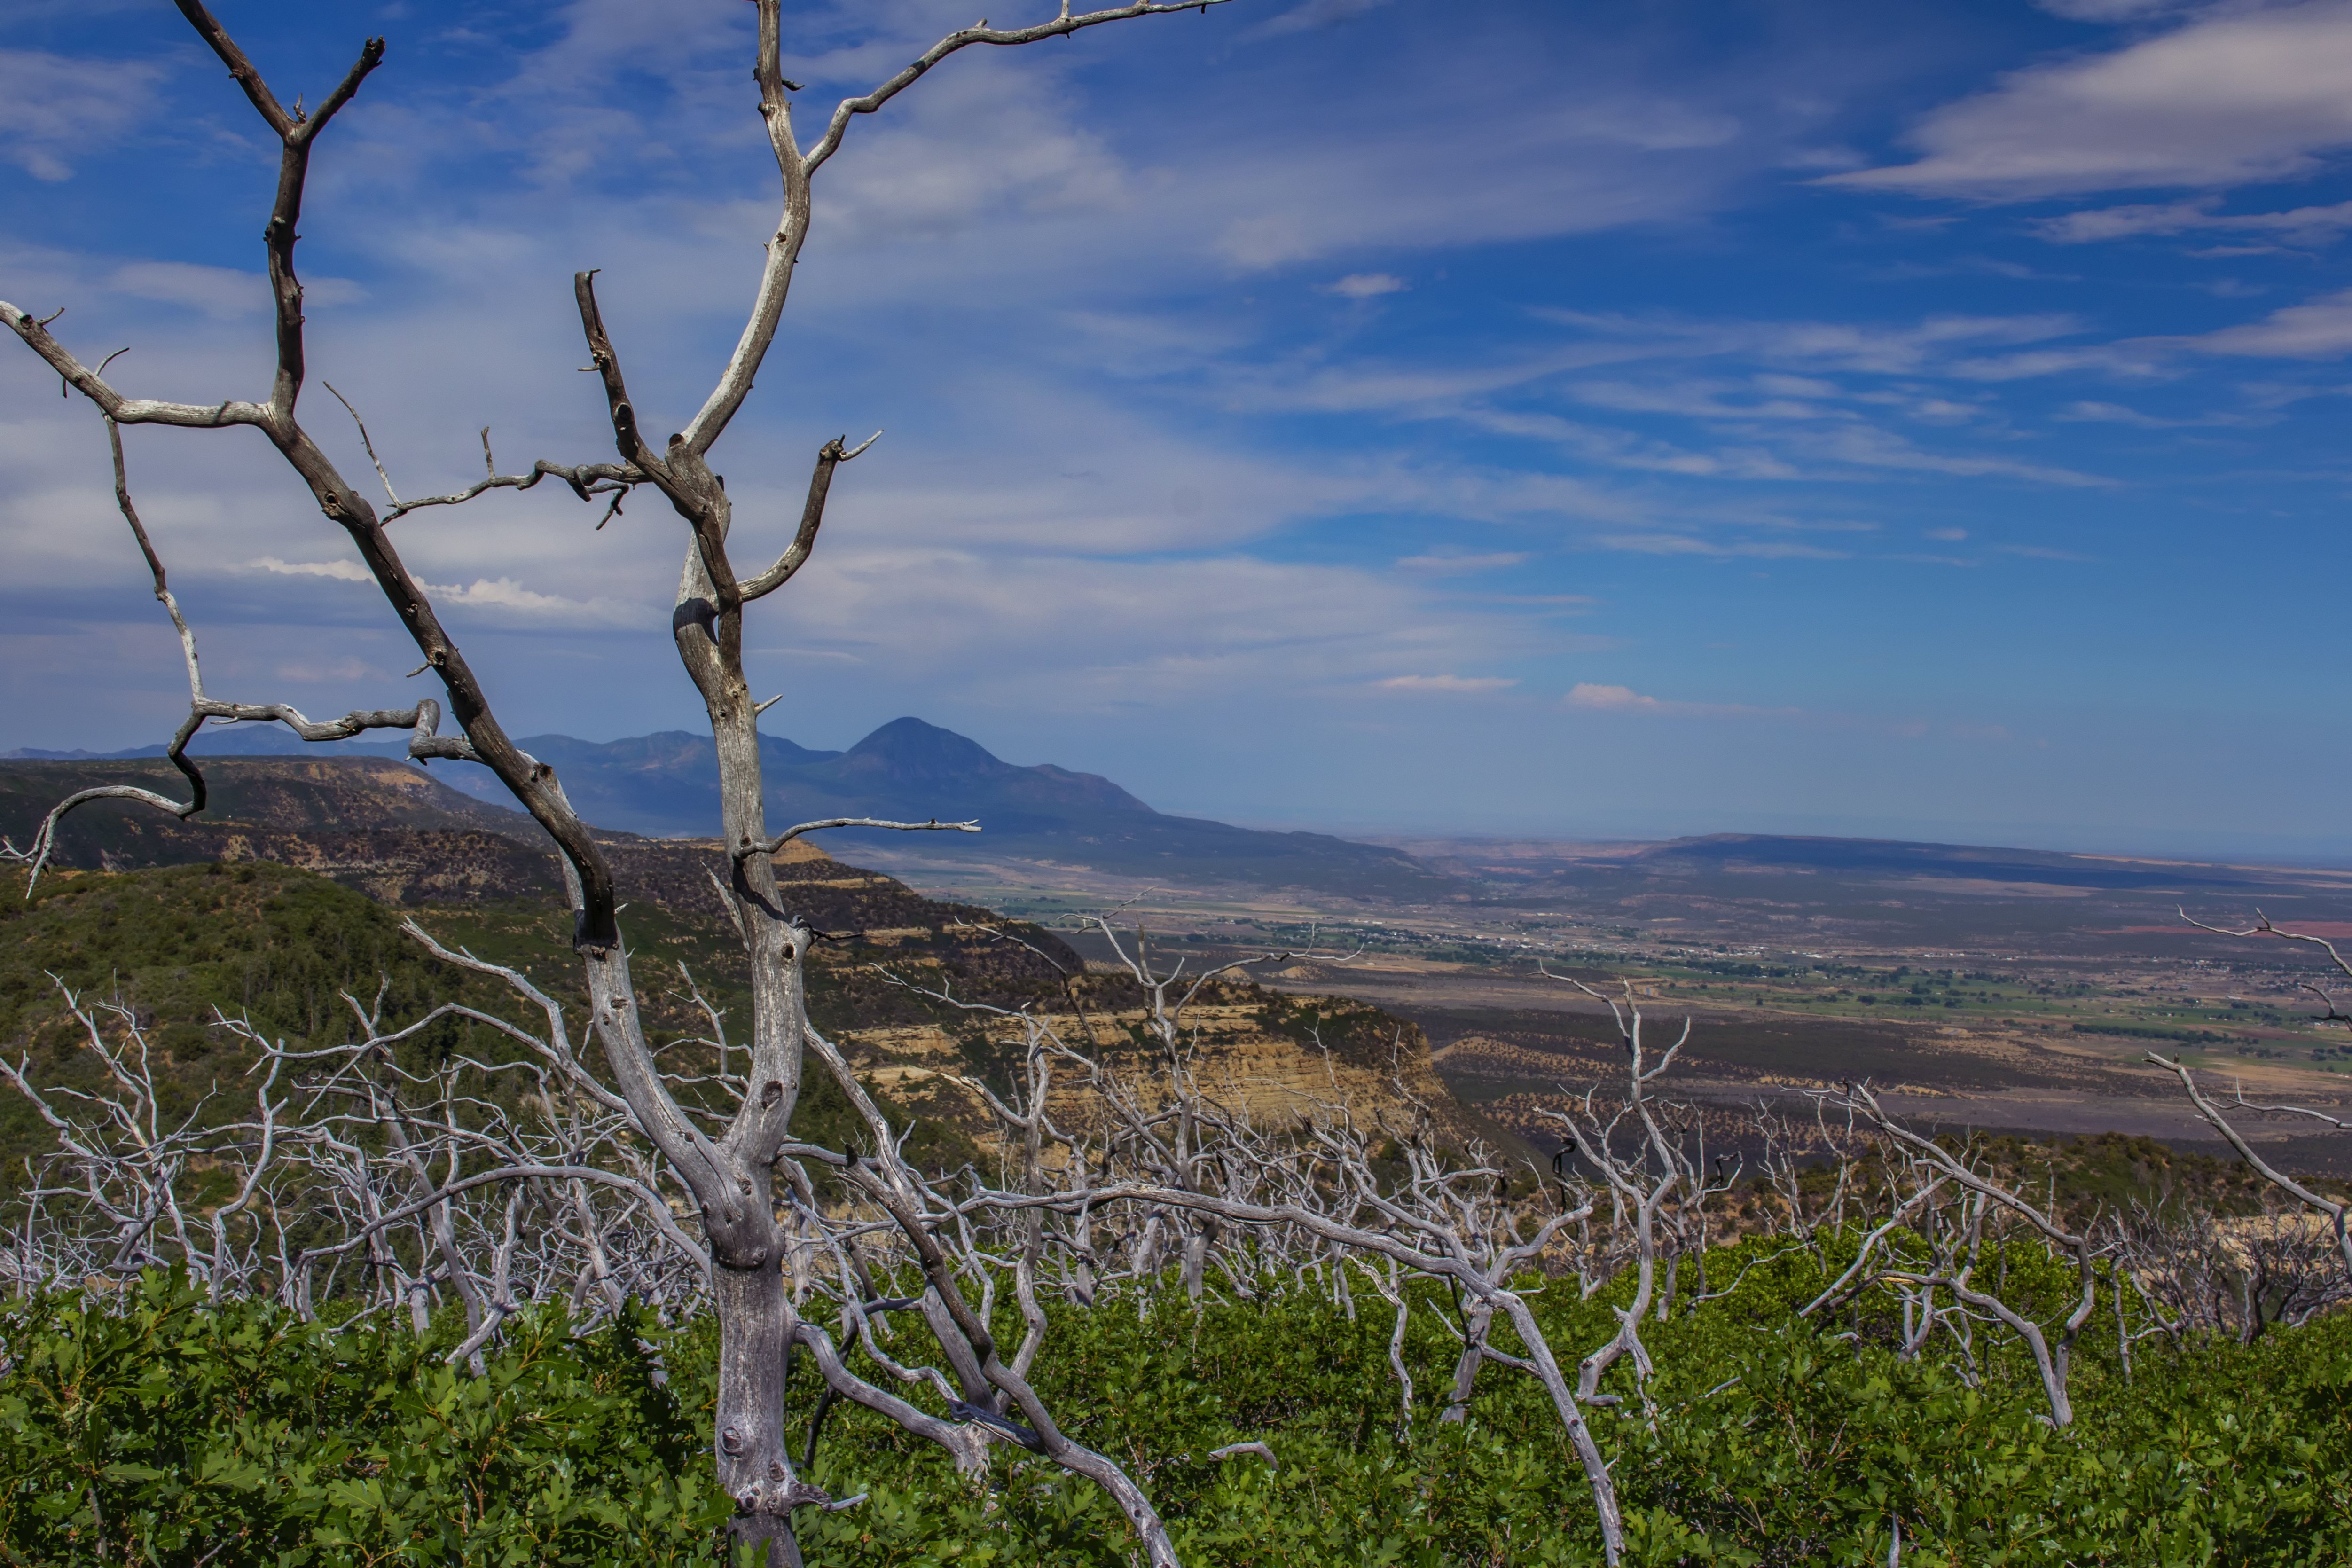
(1123, 1175)
(369, 1173)
(725, 1164)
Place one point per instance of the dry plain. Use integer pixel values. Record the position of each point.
(2006, 990)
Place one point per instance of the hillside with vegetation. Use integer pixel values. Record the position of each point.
(276, 904)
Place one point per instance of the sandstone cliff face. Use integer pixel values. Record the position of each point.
(1241, 1050)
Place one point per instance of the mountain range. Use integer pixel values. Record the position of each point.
(1040, 822)
(665, 786)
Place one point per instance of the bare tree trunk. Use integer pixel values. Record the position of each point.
(1196, 1259)
(1477, 1324)
(755, 1324)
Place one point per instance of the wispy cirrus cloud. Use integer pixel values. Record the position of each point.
(2040, 552)
(1873, 348)
(222, 293)
(2317, 329)
(1365, 285)
(2234, 95)
(1875, 448)
(1458, 685)
(2297, 226)
(1594, 698)
(2111, 10)
(1619, 448)
(2092, 411)
(1694, 545)
(1444, 565)
(55, 109)
(1315, 14)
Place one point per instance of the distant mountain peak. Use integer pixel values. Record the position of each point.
(908, 750)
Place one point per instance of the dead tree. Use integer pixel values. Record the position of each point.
(1786, 1146)
(727, 1169)
(1954, 1249)
(1662, 1178)
(1177, 1157)
(1436, 1224)
(109, 1203)
(2337, 1214)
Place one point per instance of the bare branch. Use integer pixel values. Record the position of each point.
(1061, 27)
(588, 480)
(768, 846)
(388, 491)
(2339, 1214)
(125, 410)
(796, 554)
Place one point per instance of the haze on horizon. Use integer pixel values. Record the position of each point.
(1911, 419)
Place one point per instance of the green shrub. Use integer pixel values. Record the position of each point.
(160, 1430)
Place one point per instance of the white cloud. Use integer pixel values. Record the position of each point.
(1581, 162)
(1867, 348)
(221, 293)
(1592, 697)
(2231, 97)
(1366, 285)
(1949, 535)
(1586, 695)
(2040, 553)
(342, 669)
(1774, 424)
(54, 107)
(1688, 544)
(1870, 448)
(1626, 700)
(1369, 385)
(2319, 330)
(1313, 16)
(966, 154)
(1448, 565)
(1447, 683)
(340, 571)
(2089, 412)
(1624, 449)
(506, 594)
(969, 627)
(1901, 351)
(492, 593)
(2299, 226)
(1698, 400)
(2131, 359)
(2316, 329)
(2108, 10)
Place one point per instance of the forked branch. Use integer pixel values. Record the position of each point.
(2339, 1215)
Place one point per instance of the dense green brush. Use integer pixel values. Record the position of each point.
(161, 1432)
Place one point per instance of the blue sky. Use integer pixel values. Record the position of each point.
(1896, 418)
